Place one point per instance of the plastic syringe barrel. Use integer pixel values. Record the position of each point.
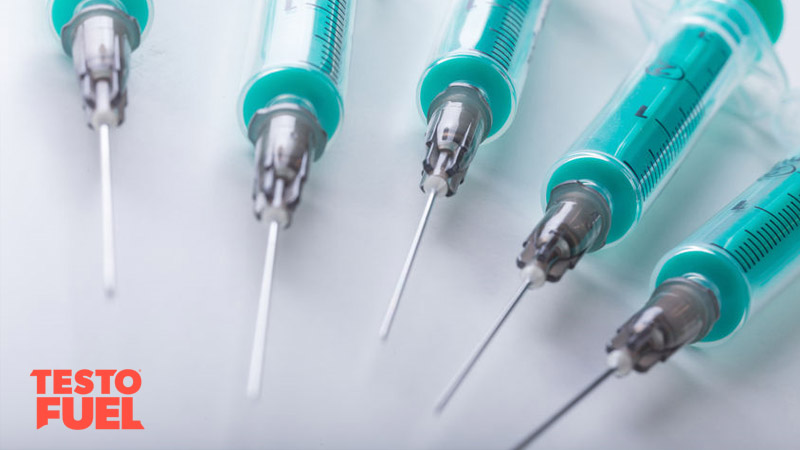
(706, 287)
(486, 44)
(640, 137)
(303, 53)
(748, 250)
(293, 104)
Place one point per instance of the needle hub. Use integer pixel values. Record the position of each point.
(576, 221)
(681, 311)
(459, 119)
(100, 40)
(286, 136)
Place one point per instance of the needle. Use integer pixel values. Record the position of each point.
(260, 337)
(586, 391)
(451, 389)
(412, 253)
(109, 271)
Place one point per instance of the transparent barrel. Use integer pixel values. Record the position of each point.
(748, 250)
(304, 55)
(703, 51)
(487, 44)
(62, 11)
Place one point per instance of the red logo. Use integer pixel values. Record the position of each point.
(109, 412)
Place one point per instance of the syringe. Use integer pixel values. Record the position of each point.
(707, 286)
(99, 36)
(598, 192)
(293, 105)
(468, 95)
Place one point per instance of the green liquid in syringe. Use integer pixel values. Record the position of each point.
(650, 128)
(763, 233)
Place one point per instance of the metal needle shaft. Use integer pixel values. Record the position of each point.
(260, 337)
(109, 269)
(412, 253)
(586, 391)
(451, 389)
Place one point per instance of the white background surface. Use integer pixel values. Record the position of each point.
(190, 255)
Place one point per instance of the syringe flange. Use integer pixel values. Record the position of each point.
(100, 39)
(680, 311)
(286, 137)
(576, 221)
(459, 119)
